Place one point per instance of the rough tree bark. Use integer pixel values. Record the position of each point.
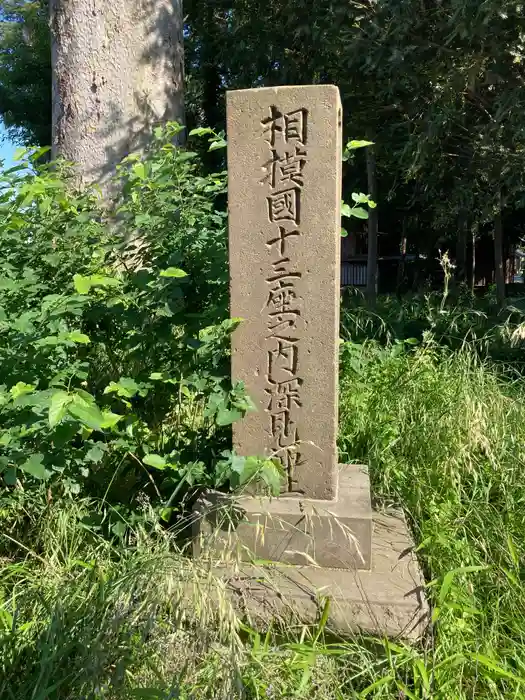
(117, 72)
(371, 268)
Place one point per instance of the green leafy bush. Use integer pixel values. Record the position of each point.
(114, 369)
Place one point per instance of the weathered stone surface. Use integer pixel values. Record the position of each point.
(290, 530)
(284, 165)
(284, 162)
(388, 600)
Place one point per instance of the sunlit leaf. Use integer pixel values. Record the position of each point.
(173, 272)
(154, 460)
(58, 407)
(34, 467)
(352, 145)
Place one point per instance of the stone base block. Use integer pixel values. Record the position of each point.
(388, 600)
(293, 530)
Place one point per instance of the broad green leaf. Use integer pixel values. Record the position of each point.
(88, 414)
(125, 387)
(140, 170)
(10, 475)
(37, 153)
(173, 272)
(252, 466)
(58, 407)
(20, 154)
(78, 337)
(352, 145)
(49, 340)
(21, 388)
(359, 213)
(119, 528)
(85, 396)
(44, 205)
(34, 467)
(156, 376)
(271, 474)
(82, 284)
(215, 145)
(154, 460)
(95, 454)
(109, 419)
(104, 281)
(227, 416)
(200, 131)
(166, 513)
(237, 464)
(346, 210)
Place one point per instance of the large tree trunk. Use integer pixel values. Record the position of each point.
(371, 274)
(498, 258)
(117, 72)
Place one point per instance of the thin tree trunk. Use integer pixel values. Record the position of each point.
(472, 268)
(117, 73)
(403, 252)
(461, 249)
(499, 271)
(371, 273)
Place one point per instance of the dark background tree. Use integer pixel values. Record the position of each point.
(25, 71)
(439, 85)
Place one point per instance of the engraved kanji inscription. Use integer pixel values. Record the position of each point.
(282, 359)
(284, 206)
(289, 127)
(284, 396)
(284, 164)
(282, 297)
(286, 169)
(280, 241)
(286, 134)
(284, 429)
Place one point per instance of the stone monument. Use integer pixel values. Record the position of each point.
(284, 168)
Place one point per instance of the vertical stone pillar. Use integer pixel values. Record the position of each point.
(284, 167)
(117, 72)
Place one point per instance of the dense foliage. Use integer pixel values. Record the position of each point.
(114, 369)
(437, 86)
(25, 70)
(443, 433)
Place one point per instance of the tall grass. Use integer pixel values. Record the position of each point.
(81, 618)
(454, 321)
(444, 434)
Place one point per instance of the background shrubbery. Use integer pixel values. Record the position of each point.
(114, 369)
